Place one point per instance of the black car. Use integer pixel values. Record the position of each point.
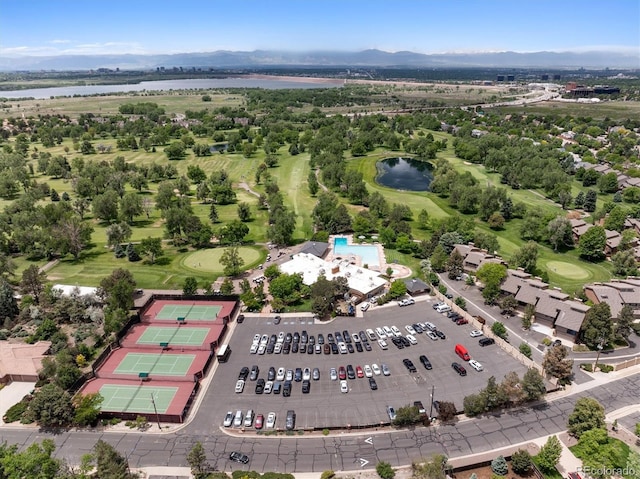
(276, 320)
(440, 334)
(304, 337)
(350, 347)
(339, 337)
(296, 337)
(273, 339)
(409, 365)
(241, 319)
(334, 348)
(306, 386)
(399, 344)
(294, 348)
(271, 375)
(271, 347)
(320, 339)
(330, 338)
(288, 338)
(347, 336)
(406, 343)
(254, 373)
(277, 387)
(351, 373)
(297, 376)
(286, 389)
(286, 348)
(312, 339)
(363, 336)
(303, 348)
(236, 456)
(367, 346)
(486, 341)
(310, 348)
(260, 386)
(358, 347)
(459, 369)
(455, 317)
(417, 328)
(420, 407)
(244, 373)
(425, 362)
(372, 384)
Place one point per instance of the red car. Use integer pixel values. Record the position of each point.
(462, 321)
(342, 373)
(259, 421)
(359, 372)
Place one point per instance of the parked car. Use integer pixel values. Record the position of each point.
(368, 372)
(391, 412)
(315, 374)
(239, 457)
(462, 321)
(268, 387)
(475, 333)
(333, 374)
(420, 407)
(486, 341)
(409, 365)
(259, 421)
(459, 369)
(306, 386)
(376, 369)
(385, 370)
(344, 388)
(425, 362)
(244, 373)
(239, 386)
(254, 373)
(237, 419)
(260, 386)
(475, 365)
(373, 385)
(228, 419)
(290, 422)
(351, 373)
(440, 334)
(271, 420)
(271, 374)
(432, 335)
(248, 418)
(280, 374)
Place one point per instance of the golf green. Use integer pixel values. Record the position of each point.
(208, 260)
(568, 270)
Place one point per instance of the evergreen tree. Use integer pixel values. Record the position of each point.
(8, 304)
(213, 214)
(579, 200)
(590, 201)
(499, 466)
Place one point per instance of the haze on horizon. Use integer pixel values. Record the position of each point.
(75, 27)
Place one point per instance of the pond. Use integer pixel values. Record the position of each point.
(404, 174)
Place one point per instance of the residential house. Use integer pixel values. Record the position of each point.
(616, 293)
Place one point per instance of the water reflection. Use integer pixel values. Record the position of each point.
(404, 174)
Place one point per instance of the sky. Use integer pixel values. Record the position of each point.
(66, 27)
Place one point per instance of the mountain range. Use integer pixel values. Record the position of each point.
(366, 58)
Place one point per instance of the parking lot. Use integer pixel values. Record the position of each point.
(325, 405)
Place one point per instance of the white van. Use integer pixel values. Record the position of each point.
(237, 420)
(364, 306)
(443, 308)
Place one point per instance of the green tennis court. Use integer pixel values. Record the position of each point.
(161, 364)
(136, 398)
(174, 336)
(190, 312)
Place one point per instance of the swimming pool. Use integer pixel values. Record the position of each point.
(368, 254)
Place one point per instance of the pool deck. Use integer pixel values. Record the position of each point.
(400, 271)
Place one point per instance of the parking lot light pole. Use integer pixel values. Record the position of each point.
(153, 401)
(433, 388)
(600, 347)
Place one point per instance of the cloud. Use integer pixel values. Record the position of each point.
(57, 42)
(66, 47)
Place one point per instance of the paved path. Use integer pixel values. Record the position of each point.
(344, 451)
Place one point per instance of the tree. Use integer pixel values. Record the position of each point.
(439, 259)
(615, 219)
(130, 206)
(74, 235)
(625, 322)
(152, 247)
(283, 227)
(175, 151)
(492, 275)
(592, 243)
(397, 289)
(508, 305)
(436, 468)
(87, 408)
(597, 327)
(499, 330)
(51, 407)
(587, 414)
(525, 350)
(105, 206)
(232, 261)
(36, 461)
(227, 288)
(196, 174)
(521, 462)
(529, 313)
(33, 281)
(624, 263)
(549, 454)
(407, 416)
(455, 265)
(608, 183)
(118, 233)
(197, 460)
(385, 471)
(526, 257)
(555, 364)
(579, 200)
(8, 303)
(499, 466)
(312, 182)
(533, 385)
(560, 233)
(110, 463)
(511, 389)
(446, 411)
(244, 212)
(213, 214)
(474, 404)
(423, 219)
(590, 200)
(496, 221)
(494, 396)
(288, 288)
(117, 289)
(190, 286)
(233, 232)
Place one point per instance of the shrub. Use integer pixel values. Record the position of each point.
(521, 462)
(546, 342)
(605, 368)
(14, 413)
(525, 349)
(499, 466)
(327, 475)
(325, 432)
(587, 367)
(385, 471)
(474, 404)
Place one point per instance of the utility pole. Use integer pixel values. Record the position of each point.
(153, 401)
(600, 346)
(433, 388)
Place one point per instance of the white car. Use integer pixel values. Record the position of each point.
(248, 418)
(371, 334)
(381, 334)
(333, 374)
(410, 329)
(368, 372)
(387, 330)
(264, 339)
(376, 369)
(383, 344)
(271, 420)
(411, 301)
(262, 349)
(268, 387)
(355, 337)
(256, 338)
(239, 386)
(475, 333)
(280, 374)
(277, 348)
(430, 326)
(237, 420)
(289, 375)
(412, 338)
(344, 388)
(254, 348)
(343, 348)
(281, 337)
(432, 335)
(306, 374)
(475, 365)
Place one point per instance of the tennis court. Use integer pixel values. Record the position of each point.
(190, 312)
(137, 399)
(174, 336)
(155, 364)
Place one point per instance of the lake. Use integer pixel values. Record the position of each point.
(165, 85)
(404, 174)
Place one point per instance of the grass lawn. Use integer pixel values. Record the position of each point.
(208, 260)
(615, 451)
